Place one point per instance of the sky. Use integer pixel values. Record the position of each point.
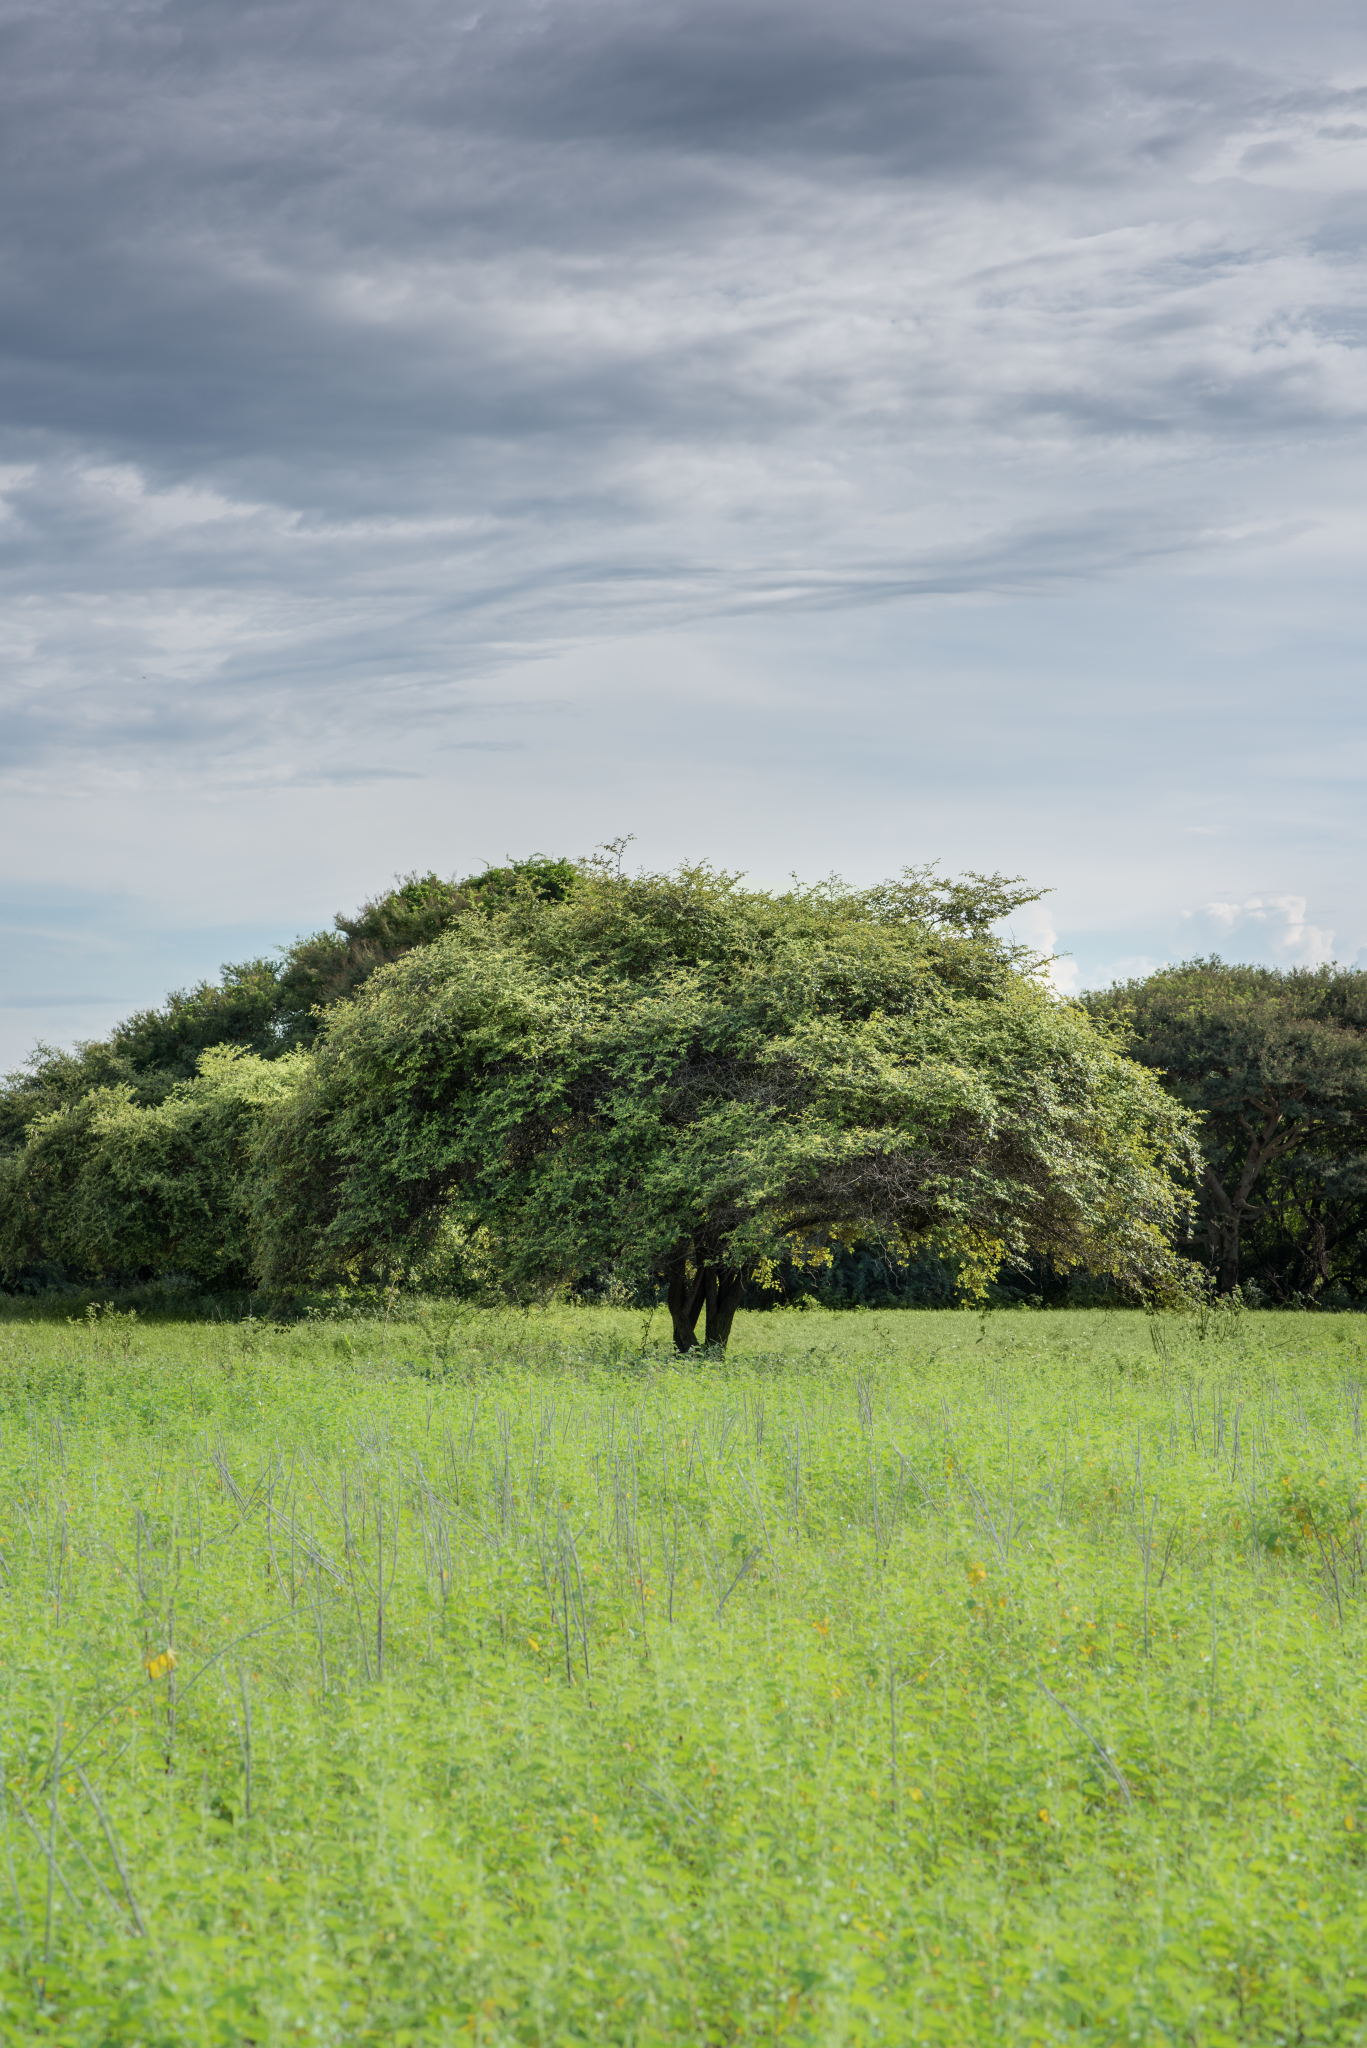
(813, 438)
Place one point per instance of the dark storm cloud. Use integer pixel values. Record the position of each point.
(349, 352)
(189, 186)
(759, 81)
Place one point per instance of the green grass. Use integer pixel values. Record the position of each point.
(904, 1678)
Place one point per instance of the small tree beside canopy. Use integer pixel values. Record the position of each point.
(1275, 1061)
(148, 1053)
(266, 1007)
(669, 1080)
(106, 1184)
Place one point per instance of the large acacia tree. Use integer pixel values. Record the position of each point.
(669, 1080)
(1275, 1062)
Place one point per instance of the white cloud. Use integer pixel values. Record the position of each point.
(1273, 923)
(1033, 925)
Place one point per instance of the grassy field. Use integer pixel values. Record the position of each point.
(904, 1678)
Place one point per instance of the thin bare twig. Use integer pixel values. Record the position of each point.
(1105, 1755)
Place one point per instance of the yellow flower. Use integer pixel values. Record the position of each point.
(159, 1666)
(976, 1574)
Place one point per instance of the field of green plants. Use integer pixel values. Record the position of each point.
(903, 1677)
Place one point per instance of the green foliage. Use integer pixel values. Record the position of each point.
(265, 1007)
(1276, 1064)
(150, 1051)
(109, 1185)
(66, 1211)
(462, 1677)
(333, 965)
(675, 1080)
(1306, 1238)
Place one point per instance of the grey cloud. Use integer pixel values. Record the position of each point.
(349, 353)
(764, 79)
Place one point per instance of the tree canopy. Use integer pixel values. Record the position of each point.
(1275, 1062)
(671, 1080)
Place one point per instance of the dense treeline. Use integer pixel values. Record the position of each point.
(1274, 1062)
(553, 1075)
(558, 1076)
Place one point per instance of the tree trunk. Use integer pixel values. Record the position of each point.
(686, 1298)
(1229, 1252)
(1315, 1255)
(716, 1288)
(1265, 1145)
(725, 1287)
(1224, 1232)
